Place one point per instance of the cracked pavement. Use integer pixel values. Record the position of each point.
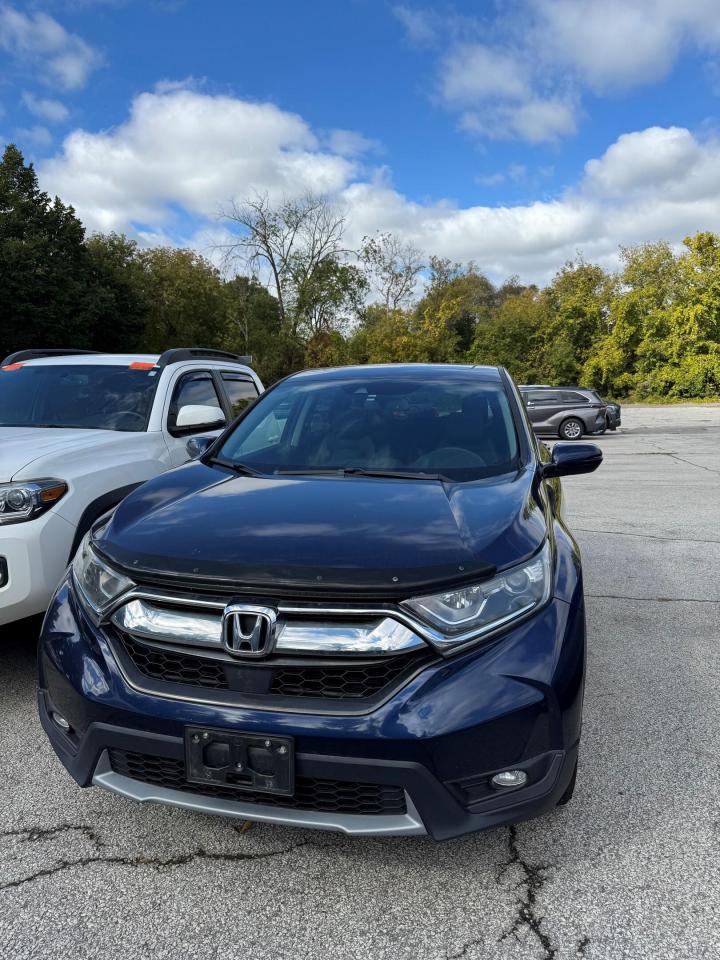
(629, 869)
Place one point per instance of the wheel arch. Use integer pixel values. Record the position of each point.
(96, 508)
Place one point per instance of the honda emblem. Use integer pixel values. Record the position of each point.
(249, 630)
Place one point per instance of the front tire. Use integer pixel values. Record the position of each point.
(571, 429)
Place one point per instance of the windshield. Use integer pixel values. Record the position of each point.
(459, 429)
(92, 397)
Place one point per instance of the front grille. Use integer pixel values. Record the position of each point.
(353, 679)
(329, 796)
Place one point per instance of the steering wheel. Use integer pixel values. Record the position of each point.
(450, 457)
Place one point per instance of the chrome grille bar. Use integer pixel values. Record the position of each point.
(302, 632)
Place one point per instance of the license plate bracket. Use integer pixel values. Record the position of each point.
(261, 763)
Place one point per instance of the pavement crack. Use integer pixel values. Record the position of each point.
(644, 536)
(582, 946)
(462, 952)
(534, 877)
(37, 834)
(691, 463)
(153, 863)
(617, 596)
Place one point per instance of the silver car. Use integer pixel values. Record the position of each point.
(563, 412)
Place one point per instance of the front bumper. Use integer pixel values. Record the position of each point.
(36, 555)
(514, 703)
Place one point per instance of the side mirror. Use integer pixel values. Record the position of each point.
(196, 446)
(199, 415)
(572, 458)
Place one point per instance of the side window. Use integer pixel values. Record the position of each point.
(544, 396)
(194, 389)
(574, 398)
(240, 391)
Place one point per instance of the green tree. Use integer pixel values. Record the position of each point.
(253, 326)
(117, 308)
(44, 290)
(511, 337)
(463, 297)
(329, 298)
(186, 305)
(575, 308)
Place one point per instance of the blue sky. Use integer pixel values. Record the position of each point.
(514, 134)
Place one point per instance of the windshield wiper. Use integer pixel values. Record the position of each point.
(396, 474)
(240, 468)
(362, 472)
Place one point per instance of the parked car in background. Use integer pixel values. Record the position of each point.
(79, 431)
(565, 412)
(359, 610)
(613, 413)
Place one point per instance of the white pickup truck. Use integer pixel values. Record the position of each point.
(79, 431)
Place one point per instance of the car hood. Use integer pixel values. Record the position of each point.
(21, 446)
(320, 534)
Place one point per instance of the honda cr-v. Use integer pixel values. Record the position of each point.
(360, 609)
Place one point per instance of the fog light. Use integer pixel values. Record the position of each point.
(61, 722)
(510, 778)
(3, 572)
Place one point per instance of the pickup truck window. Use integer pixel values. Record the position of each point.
(85, 397)
(240, 391)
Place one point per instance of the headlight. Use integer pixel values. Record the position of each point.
(97, 583)
(470, 612)
(27, 499)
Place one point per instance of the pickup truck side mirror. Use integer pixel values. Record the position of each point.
(196, 446)
(572, 458)
(197, 415)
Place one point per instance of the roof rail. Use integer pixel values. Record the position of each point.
(21, 355)
(179, 354)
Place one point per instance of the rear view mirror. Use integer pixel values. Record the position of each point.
(196, 446)
(199, 415)
(572, 458)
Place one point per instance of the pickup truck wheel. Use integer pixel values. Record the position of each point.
(571, 429)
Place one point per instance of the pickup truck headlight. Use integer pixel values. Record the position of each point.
(27, 499)
(470, 612)
(97, 583)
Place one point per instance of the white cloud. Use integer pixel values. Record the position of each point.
(189, 153)
(36, 136)
(616, 44)
(193, 150)
(655, 158)
(420, 26)
(526, 77)
(536, 121)
(39, 40)
(350, 143)
(491, 179)
(52, 111)
(475, 72)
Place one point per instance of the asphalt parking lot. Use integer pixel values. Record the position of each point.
(630, 869)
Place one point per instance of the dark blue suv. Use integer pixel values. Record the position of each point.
(359, 609)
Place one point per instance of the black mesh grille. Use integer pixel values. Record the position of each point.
(330, 796)
(350, 680)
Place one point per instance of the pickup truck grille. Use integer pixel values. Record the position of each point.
(352, 678)
(338, 796)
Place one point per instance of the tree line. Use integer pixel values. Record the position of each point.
(293, 296)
